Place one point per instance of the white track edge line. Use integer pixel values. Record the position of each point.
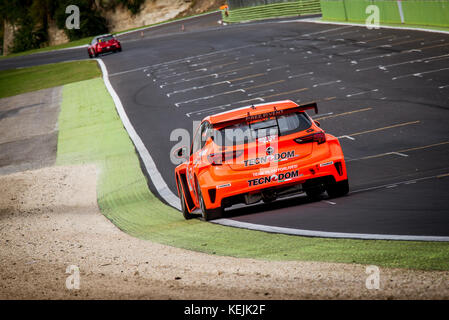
(165, 23)
(325, 234)
(364, 26)
(150, 166)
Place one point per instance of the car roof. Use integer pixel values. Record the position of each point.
(252, 110)
(103, 35)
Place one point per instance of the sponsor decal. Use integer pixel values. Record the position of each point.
(264, 115)
(266, 139)
(274, 170)
(326, 164)
(224, 186)
(281, 177)
(269, 158)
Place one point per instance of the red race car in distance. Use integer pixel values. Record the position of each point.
(102, 44)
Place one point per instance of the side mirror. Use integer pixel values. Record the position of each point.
(180, 153)
(317, 123)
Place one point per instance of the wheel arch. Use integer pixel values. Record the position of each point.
(181, 177)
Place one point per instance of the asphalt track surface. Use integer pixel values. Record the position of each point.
(384, 92)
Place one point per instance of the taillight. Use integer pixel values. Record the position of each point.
(217, 159)
(319, 137)
(212, 194)
(339, 167)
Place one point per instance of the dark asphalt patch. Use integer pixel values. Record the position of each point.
(344, 68)
(302, 65)
(28, 130)
(28, 154)
(15, 111)
(413, 209)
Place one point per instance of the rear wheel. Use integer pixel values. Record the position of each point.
(207, 214)
(184, 210)
(315, 193)
(338, 189)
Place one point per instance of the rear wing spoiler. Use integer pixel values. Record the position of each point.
(311, 105)
(275, 112)
(307, 106)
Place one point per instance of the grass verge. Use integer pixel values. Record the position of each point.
(17, 81)
(90, 131)
(70, 44)
(412, 26)
(273, 10)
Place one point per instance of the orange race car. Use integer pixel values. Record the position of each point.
(259, 152)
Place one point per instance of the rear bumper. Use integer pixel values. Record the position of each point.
(226, 192)
(109, 48)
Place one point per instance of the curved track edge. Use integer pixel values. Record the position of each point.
(325, 234)
(167, 195)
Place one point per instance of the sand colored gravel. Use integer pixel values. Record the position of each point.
(49, 220)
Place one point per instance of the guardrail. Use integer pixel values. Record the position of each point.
(413, 12)
(237, 4)
(284, 9)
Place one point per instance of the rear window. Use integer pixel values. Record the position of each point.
(244, 132)
(104, 39)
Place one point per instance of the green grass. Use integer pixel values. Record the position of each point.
(16, 81)
(274, 10)
(70, 44)
(90, 131)
(414, 26)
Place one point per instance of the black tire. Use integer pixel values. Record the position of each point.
(96, 54)
(184, 210)
(207, 214)
(338, 189)
(315, 193)
(120, 49)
